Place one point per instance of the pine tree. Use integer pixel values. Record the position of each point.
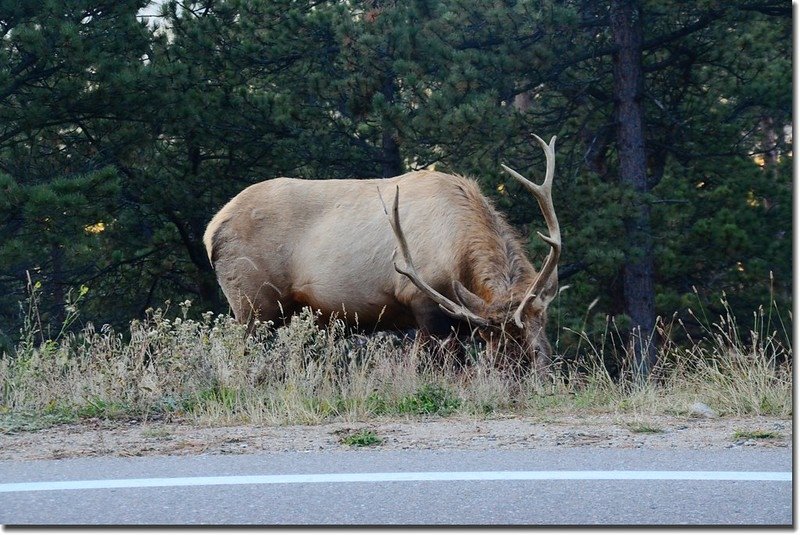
(65, 91)
(119, 140)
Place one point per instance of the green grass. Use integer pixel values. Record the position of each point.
(362, 438)
(644, 428)
(758, 434)
(208, 372)
(157, 432)
(99, 408)
(26, 421)
(429, 399)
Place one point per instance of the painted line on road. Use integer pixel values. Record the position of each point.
(384, 477)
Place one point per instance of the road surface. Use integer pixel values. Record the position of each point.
(577, 486)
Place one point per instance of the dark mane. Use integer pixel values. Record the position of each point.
(493, 260)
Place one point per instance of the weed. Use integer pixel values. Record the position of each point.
(99, 408)
(758, 434)
(644, 428)
(376, 404)
(362, 438)
(215, 396)
(32, 421)
(157, 432)
(306, 372)
(429, 399)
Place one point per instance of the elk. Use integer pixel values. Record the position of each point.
(287, 243)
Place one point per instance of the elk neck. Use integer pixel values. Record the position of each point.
(493, 262)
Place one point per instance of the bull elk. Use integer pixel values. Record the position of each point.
(286, 243)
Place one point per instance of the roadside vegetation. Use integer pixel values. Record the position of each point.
(124, 125)
(169, 366)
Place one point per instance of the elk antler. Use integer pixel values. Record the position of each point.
(449, 307)
(548, 276)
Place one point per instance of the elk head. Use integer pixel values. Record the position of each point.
(520, 316)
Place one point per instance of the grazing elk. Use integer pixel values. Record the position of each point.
(287, 243)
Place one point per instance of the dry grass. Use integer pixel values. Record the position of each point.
(207, 370)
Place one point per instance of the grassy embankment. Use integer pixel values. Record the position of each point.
(207, 371)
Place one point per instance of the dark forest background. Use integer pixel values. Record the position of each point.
(121, 135)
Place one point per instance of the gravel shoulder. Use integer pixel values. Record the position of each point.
(135, 438)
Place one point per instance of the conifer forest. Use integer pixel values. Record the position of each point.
(125, 125)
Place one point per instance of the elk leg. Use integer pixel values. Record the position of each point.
(430, 319)
(251, 302)
(543, 362)
(439, 332)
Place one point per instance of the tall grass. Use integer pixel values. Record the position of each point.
(209, 371)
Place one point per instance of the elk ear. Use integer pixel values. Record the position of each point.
(467, 298)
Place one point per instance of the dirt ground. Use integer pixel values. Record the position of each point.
(136, 438)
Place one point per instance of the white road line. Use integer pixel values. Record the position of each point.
(380, 477)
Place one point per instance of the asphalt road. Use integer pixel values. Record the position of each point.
(577, 486)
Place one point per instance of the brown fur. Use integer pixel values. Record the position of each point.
(494, 261)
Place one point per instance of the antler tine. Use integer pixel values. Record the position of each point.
(543, 193)
(448, 306)
(546, 187)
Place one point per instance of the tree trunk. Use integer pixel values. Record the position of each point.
(770, 146)
(638, 288)
(391, 161)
